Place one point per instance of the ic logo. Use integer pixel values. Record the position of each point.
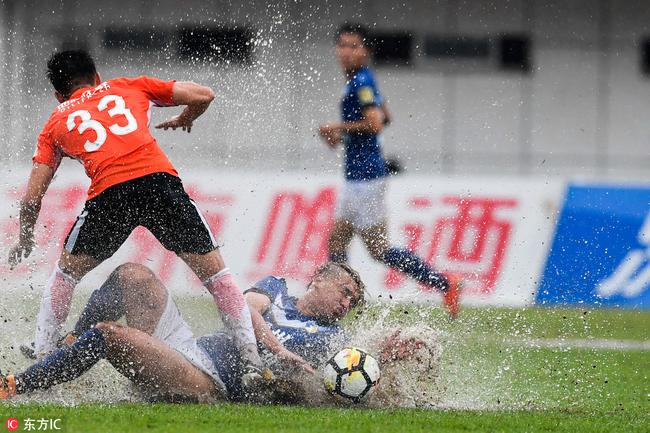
(12, 424)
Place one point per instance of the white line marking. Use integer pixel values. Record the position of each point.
(575, 343)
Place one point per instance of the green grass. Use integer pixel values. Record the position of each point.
(534, 322)
(244, 418)
(512, 387)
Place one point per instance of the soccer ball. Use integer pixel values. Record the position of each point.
(351, 375)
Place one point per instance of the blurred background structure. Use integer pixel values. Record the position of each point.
(532, 87)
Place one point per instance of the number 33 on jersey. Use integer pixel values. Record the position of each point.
(106, 128)
(88, 123)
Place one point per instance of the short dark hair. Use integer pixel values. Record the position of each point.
(331, 266)
(356, 29)
(68, 69)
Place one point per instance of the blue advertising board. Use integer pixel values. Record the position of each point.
(600, 255)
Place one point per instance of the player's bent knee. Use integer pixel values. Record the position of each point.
(134, 272)
(134, 276)
(77, 266)
(118, 338)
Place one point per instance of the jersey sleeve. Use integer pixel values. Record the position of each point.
(367, 92)
(270, 286)
(46, 151)
(160, 92)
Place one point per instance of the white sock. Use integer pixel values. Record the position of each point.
(55, 306)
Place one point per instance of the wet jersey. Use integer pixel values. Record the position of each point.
(297, 332)
(106, 128)
(363, 157)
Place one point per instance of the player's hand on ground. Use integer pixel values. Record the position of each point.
(21, 250)
(331, 134)
(291, 358)
(396, 348)
(175, 122)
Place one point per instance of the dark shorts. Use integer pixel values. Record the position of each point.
(157, 202)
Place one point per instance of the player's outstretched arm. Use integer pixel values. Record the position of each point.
(397, 348)
(30, 207)
(196, 99)
(258, 303)
(331, 133)
(373, 122)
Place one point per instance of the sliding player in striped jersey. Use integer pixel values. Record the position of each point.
(158, 351)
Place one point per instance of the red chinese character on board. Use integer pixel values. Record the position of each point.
(295, 235)
(58, 213)
(471, 242)
(62, 205)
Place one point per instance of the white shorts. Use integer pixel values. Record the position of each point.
(362, 203)
(173, 330)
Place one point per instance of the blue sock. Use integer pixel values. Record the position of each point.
(405, 261)
(338, 257)
(105, 305)
(64, 364)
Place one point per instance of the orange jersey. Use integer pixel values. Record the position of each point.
(106, 128)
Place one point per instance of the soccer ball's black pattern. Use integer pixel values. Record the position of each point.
(340, 375)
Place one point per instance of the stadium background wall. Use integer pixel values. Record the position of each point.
(536, 91)
(515, 241)
(530, 87)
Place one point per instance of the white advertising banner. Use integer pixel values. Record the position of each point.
(493, 232)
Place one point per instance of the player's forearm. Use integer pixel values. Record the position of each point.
(363, 126)
(29, 210)
(264, 334)
(193, 111)
(189, 93)
(30, 206)
(195, 97)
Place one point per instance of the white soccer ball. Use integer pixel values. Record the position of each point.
(351, 375)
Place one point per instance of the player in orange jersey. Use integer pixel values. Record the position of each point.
(105, 125)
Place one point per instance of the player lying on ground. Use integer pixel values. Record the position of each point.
(157, 351)
(105, 125)
(361, 208)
